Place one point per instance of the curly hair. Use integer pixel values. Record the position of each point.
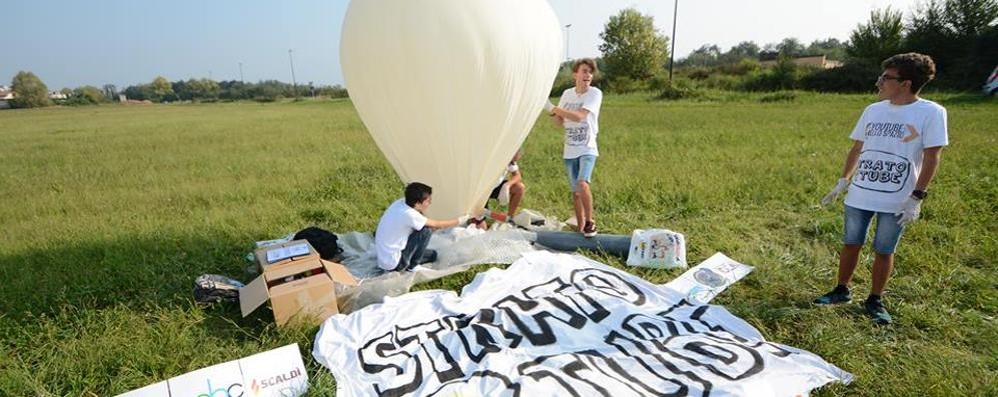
(914, 67)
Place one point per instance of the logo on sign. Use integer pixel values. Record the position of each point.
(264, 383)
(234, 390)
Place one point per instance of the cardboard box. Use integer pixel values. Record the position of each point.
(298, 283)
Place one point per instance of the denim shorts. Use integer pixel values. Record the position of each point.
(886, 236)
(579, 169)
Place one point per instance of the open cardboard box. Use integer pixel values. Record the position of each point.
(298, 283)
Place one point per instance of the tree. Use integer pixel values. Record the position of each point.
(960, 35)
(632, 48)
(203, 89)
(29, 91)
(89, 95)
(706, 55)
(790, 47)
(160, 88)
(745, 49)
(970, 17)
(110, 92)
(878, 39)
(832, 48)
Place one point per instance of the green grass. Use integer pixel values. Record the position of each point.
(108, 214)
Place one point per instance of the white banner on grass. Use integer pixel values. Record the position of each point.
(559, 325)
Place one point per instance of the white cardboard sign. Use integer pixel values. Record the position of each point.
(274, 373)
(287, 252)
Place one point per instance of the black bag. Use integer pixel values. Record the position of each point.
(323, 241)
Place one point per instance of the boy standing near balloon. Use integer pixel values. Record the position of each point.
(404, 232)
(896, 149)
(578, 113)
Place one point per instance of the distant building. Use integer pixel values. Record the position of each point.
(6, 94)
(814, 61)
(57, 95)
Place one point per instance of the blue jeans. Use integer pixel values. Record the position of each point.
(886, 236)
(414, 248)
(579, 169)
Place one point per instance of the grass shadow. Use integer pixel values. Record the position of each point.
(139, 272)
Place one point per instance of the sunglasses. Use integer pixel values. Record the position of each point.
(883, 77)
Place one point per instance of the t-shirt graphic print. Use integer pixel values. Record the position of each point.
(893, 138)
(580, 137)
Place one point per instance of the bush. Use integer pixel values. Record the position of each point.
(680, 90)
(781, 96)
(785, 76)
(562, 81)
(659, 82)
(744, 67)
(723, 82)
(851, 77)
(335, 91)
(698, 73)
(624, 84)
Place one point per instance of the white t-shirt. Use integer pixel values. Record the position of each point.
(580, 138)
(893, 138)
(398, 222)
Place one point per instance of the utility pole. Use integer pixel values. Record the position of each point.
(241, 73)
(566, 41)
(672, 52)
(294, 85)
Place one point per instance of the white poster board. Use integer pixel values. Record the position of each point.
(275, 373)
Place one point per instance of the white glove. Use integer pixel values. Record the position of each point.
(840, 187)
(548, 106)
(910, 209)
(463, 220)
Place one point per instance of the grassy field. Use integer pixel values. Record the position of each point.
(108, 214)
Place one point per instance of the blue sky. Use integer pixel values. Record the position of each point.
(72, 43)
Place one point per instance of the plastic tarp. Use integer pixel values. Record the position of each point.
(457, 249)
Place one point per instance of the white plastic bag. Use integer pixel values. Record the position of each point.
(657, 248)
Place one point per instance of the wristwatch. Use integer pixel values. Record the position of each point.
(919, 194)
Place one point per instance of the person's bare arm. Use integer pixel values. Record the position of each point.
(576, 116)
(852, 159)
(930, 162)
(441, 224)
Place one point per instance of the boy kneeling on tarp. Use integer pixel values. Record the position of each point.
(403, 231)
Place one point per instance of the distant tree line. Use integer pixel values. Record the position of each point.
(960, 35)
(206, 90)
(30, 91)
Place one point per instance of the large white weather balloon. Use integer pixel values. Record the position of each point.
(449, 89)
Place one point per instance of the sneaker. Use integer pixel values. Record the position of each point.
(875, 308)
(590, 229)
(838, 295)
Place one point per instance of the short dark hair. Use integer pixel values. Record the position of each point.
(417, 192)
(917, 68)
(584, 61)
